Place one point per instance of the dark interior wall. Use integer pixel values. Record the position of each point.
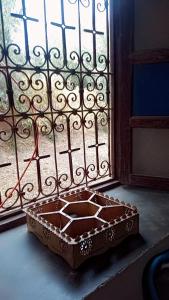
(151, 151)
(151, 24)
(151, 88)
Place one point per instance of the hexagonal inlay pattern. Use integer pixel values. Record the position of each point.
(111, 213)
(79, 210)
(78, 227)
(53, 206)
(56, 219)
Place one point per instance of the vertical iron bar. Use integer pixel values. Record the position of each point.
(49, 94)
(37, 154)
(109, 93)
(81, 93)
(69, 151)
(63, 35)
(94, 36)
(25, 32)
(97, 149)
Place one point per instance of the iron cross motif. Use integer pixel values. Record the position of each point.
(97, 144)
(94, 32)
(63, 27)
(69, 151)
(37, 159)
(25, 18)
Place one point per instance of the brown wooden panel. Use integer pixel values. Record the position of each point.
(149, 56)
(149, 122)
(12, 222)
(123, 31)
(148, 181)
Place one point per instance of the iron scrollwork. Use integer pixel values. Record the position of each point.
(62, 95)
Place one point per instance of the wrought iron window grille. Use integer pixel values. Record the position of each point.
(64, 92)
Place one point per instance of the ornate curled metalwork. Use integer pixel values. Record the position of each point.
(85, 3)
(6, 131)
(60, 91)
(101, 6)
(38, 52)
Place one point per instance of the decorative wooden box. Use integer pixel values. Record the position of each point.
(82, 224)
